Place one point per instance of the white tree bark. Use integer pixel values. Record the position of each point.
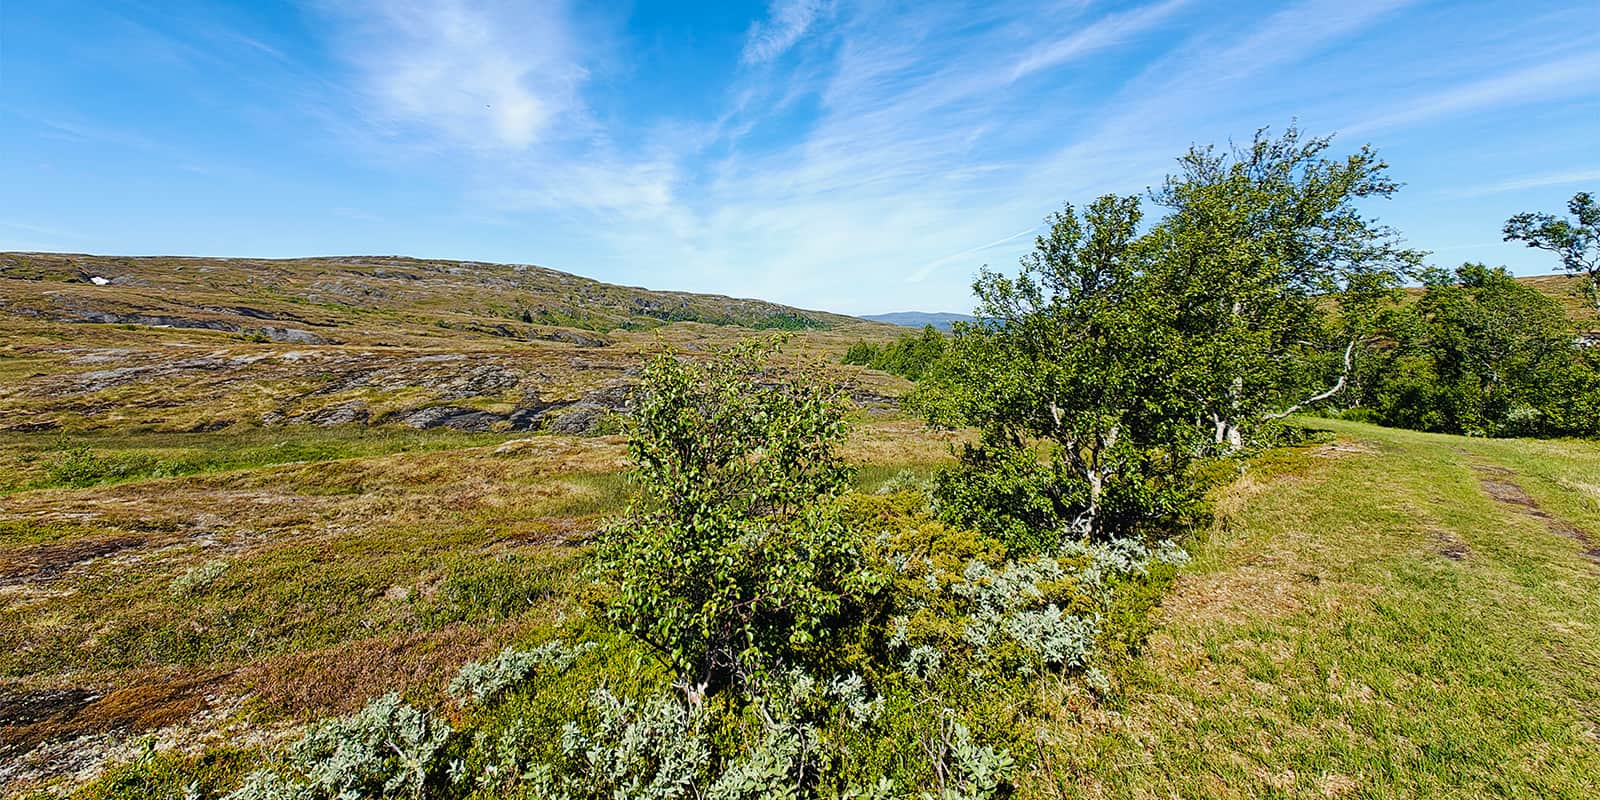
(1338, 386)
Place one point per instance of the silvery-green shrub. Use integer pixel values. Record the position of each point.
(387, 749)
(482, 681)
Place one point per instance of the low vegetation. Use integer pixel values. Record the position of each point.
(908, 356)
(1107, 555)
(1381, 613)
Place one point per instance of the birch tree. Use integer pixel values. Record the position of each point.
(1068, 375)
(1255, 239)
(1575, 241)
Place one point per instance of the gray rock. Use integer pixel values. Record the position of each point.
(579, 419)
(347, 413)
(461, 419)
(291, 335)
(481, 380)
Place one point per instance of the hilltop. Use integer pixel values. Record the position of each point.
(197, 344)
(369, 299)
(915, 319)
(1568, 290)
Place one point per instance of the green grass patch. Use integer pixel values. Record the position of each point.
(94, 459)
(1365, 620)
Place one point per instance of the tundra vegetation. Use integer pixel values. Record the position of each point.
(909, 356)
(789, 594)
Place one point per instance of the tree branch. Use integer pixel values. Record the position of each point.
(1338, 386)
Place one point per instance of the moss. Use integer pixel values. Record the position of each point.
(165, 775)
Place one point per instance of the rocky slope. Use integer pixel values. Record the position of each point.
(158, 343)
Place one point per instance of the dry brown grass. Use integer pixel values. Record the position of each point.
(342, 678)
(340, 580)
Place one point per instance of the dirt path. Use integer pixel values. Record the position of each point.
(1497, 483)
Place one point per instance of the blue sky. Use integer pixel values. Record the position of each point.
(852, 156)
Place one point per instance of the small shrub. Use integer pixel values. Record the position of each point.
(79, 465)
(387, 749)
(198, 579)
(735, 556)
(907, 480)
(967, 770)
(650, 750)
(481, 682)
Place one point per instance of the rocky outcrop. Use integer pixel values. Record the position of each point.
(585, 416)
(276, 334)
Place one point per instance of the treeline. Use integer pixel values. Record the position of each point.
(1478, 354)
(908, 356)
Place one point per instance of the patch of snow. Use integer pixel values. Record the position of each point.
(99, 281)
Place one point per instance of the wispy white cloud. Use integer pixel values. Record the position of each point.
(1540, 181)
(786, 23)
(923, 159)
(1294, 33)
(930, 132)
(485, 73)
(921, 274)
(1105, 32)
(496, 87)
(1563, 77)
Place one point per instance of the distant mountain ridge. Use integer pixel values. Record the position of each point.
(916, 319)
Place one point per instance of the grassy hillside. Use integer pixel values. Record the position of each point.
(1389, 614)
(1573, 295)
(366, 297)
(184, 344)
(1377, 614)
(1571, 292)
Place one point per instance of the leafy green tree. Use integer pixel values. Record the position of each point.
(1114, 358)
(1254, 239)
(733, 557)
(909, 356)
(1483, 354)
(1575, 241)
(1070, 377)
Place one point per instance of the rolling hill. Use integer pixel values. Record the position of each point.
(196, 344)
(917, 319)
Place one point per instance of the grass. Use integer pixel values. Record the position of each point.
(1366, 620)
(102, 458)
(1371, 615)
(248, 580)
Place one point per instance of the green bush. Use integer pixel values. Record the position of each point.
(734, 556)
(909, 356)
(80, 465)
